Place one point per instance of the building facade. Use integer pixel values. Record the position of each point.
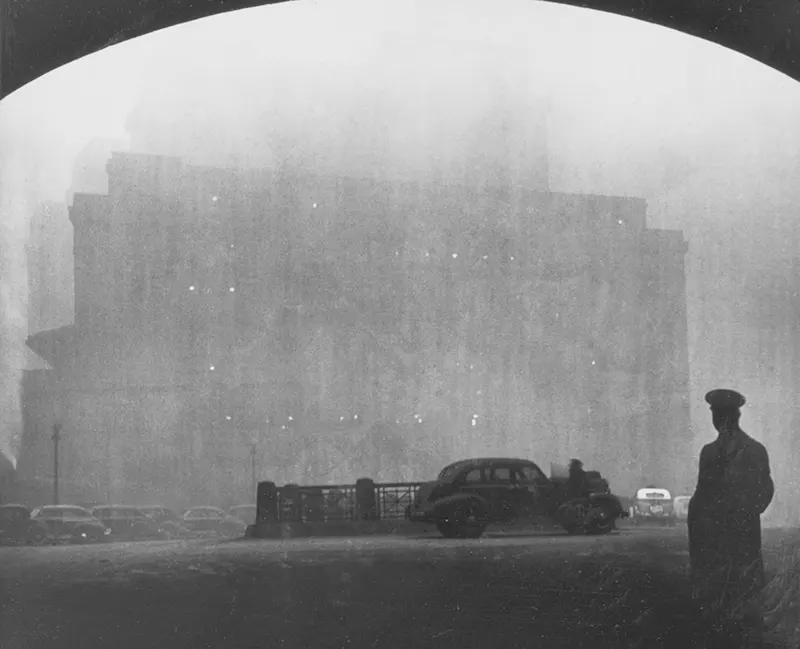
(341, 327)
(49, 257)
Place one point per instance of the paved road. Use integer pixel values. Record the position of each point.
(546, 590)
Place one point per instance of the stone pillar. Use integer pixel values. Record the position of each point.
(366, 504)
(266, 503)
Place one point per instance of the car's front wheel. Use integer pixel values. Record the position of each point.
(36, 536)
(601, 519)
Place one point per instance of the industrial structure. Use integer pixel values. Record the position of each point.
(339, 327)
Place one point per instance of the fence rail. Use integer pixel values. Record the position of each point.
(329, 503)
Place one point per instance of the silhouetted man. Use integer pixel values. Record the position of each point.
(578, 481)
(734, 487)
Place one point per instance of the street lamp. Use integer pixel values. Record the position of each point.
(56, 440)
(253, 450)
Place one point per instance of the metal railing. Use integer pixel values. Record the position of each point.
(393, 498)
(330, 503)
(319, 503)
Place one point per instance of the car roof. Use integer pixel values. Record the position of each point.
(479, 461)
(14, 506)
(643, 494)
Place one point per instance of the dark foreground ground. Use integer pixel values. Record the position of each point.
(506, 591)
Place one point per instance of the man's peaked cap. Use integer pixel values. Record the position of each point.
(725, 400)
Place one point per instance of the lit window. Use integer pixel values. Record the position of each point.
(620, 222)
(211, 368)
(455, 255)
(341, 418)
(486, 257)
(215, 198)
(474, 423)
(231, 290)
(191, 288)
(314, 205)
(291, 418)
(228, 417)
(512, 257)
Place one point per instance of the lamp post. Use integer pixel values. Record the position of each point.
(254, 447)
(56, 440)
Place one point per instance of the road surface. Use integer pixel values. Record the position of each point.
(541, 590)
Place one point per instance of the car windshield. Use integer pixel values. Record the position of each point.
(450, 471)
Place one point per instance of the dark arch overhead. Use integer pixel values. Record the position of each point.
(37, 36)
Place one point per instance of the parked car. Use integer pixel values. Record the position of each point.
(680, 505)
(71, 524)
(653, 505)
(213, 519)
(469, 495)
(18, 528)
(167, 520)
(245, 513)
(128, 523)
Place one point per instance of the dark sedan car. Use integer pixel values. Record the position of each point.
(469, 495)
(18, 528)
(71, 524)
(213, 519)
(167, 520)
(128, 523)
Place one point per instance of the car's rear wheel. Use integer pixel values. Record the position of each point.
(465, 521)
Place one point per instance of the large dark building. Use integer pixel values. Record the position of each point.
(353, 327)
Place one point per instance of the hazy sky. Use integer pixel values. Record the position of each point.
(708, 136)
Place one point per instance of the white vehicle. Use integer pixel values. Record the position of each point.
(652, 505)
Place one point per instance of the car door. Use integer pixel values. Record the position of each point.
(501, 491)
(52, 518)
(215, 518)
(473, 482)
(196, 519)
(537, 494)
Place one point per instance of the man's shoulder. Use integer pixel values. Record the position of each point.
(753, 444)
